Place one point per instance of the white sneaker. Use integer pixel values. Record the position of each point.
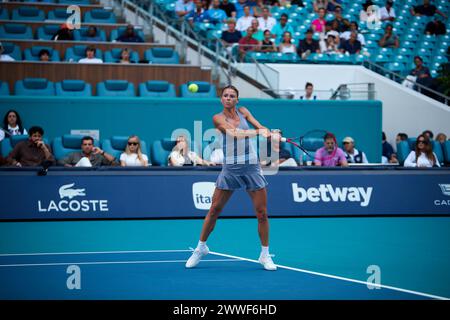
(196, 257)
(267, 263)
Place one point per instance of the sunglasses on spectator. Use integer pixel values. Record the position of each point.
(133, 143)
(422, 141)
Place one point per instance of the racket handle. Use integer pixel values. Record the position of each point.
(283, 139)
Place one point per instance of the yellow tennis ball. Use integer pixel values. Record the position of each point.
(193, 88)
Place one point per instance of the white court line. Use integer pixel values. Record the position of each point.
(87, 252)
(339, 278)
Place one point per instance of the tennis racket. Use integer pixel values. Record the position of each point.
(311, 140)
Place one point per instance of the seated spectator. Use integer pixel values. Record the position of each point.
(435, 28)
(428, 134)
(92, 34)
(89, 156)
(441, 138)
(320, 4)
(368, 12)
(229, 8)
(387, 13)
(4, 57)
(258, 35)
(423, 155)
(342, 23)
(422, 73)
(198, 15)
(231, 36)
(240, 5)
(129, 35)
(12, 125)
(352, 154)
(33, 152)
(65, 33)
(309, 88)
(331, 28)
(388, 155)
(330, 155)
(44, 55)
(244, 22)
(286, 45)
(333, 4)
(351, 46)
(281, 27)
(125, 56)
(318, 25)
(329, 45)
(265, 21)
(267, 45)
(274, 149)
(133, 156)
(257, 8)
(401, 137)
(247, 43)
(182, 156)
(308, 45)
(426, 9)
(184, 7)
(215, 14)
(353, 28)
(90, 56)
(389, 38)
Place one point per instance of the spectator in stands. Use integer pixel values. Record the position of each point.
(387, 13)
(281, 27)
(401, 137)
(435, 27)
(90, 56)
(244, 22)
(320, 4)
(309, 88)
(429, 134)
(239, 5)
(388, 155)
(215, 14)
(258, 35)
(267, 45)
(389, 38)
(44, 55)
(231, 36)
(33, 152)
(89, 156)
(343, 24)
(423, 155)
(4, 57)
(331, 28)
(441, 138)
(229, 8)
(183, 7)
(258, 8)
(308, 45)
(353, 28)
(198, 15)
(12, 125)
(422, 73)
(426, 9)
(297, 3)
(330, 155)
(365, 14)
(247, 43)
(182, 156)
(129, 35)
(318, 25)
(352, 45)
(266, 22)
(284, 157)
(92, 35)
(333, 4)
(352, 154)
(65, 33)
(133, 156)
(125, 56)
(286, 45)
(329, 45)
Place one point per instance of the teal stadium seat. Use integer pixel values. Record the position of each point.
(4, 14)
(64, 145)
(311, 145)
(279, 57)
(438, 150)
(12, 50)
(162, 56)
(73, 88)
(8, 144)
(27, 14)
(205, 90)
(403, 150)
(116, 145)
(78, 52)
(261, 57)
(115, 88)
(113, 55)
(15, 31)
(81, 34)
(46, 32)
(446, 148)
(4, 88)
(32, 54)
(161, 149)
(34, 87)
(58, 15)
(115, 33)
(99, 16)
(157, 88)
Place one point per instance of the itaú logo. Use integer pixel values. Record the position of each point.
(72, 205)
(202, 193)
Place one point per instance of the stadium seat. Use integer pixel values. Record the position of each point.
(438, 150)
(58, 15)
(8, 144)
(15, 31)
(412, 143)
(285, 57)
(262, 57)
(78, 52)
(205, 90)
(403, 150)
(115, 33)
(446, 148)
(66, 144)
(4, 88)
(99, 16)
(113, 55)
(81, 34)
(73, 88)
(116, 145)
(32, 54)
(34, 87)
(161, 149)
(46, 32)
(12, 50)
(162, 56)
(116, 88)
(27, 14)
(157, 88)
(4, 14)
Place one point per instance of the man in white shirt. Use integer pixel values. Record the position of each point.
(4, 57)
(184, 7)
(244, 22)
(387, 12)
(353, 28)
(351, 153)
(266, 22)
(90, 56)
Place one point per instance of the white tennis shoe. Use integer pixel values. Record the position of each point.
(196, 256)
(267, 263)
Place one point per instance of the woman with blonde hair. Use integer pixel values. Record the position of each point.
(133, 156)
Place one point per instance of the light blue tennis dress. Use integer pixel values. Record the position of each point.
(241, 166)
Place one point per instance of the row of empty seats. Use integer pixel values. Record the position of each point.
(116, 88)
(77, 52)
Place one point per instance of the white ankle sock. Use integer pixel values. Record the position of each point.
(264, 250)
(201, 244)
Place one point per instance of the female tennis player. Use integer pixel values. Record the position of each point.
(240, 169)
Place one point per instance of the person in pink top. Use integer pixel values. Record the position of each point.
(318, 25)
(330, 155)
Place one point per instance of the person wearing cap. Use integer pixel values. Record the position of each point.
(352, 154)
(387, 13)
(4, 57)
